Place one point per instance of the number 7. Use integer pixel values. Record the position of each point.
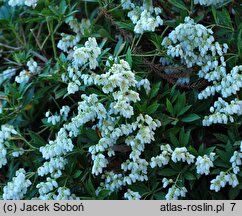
(233, 205)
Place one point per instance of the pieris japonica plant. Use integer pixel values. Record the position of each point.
(120, 100)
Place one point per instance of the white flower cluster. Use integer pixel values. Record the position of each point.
(236, 161)
(118, 82)
(24, 75)
(99, 162)
(63, 193)
(7, 74)
(88, 109)
(80, 28)
(54, 167)
(131, 195)
(134, 169)
(46, 187)
(145, 18)
(195, 45)
(29, 3)
(222, 179)
(72, 77)
(226, 86)
(166, 182)
(68, 41)
(127, 4)
(60, 146)
(54, 119)
(145, 134)
(181, 154)
(5, 133)
(162, 159)
(230, 176)
(89, 53)
(17, 188)
(55, 151)
(145, 83)
(17, 153)
(176, 155)
(175, 192)
(119, 77)
(203, 164)
(208, 2)
(167, 154)
(222, 112)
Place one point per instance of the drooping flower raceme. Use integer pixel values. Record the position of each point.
(229, 176)
(195, 45)
(131, 195)
(17, 188)
(175, 192)
(208, 2)
(222, 179)
(25, 75)
(227, 86)
(54, 119)
(7, 74)
(68, 41)
(88, 53)
(29, 3)
(145, 18)
(222, 112)
(204, 163)
(5, 134)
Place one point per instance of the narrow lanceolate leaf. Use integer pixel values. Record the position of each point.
(190, 117)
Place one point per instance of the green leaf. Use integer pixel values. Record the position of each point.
(90, 188)
(221, 137)
(128, 57)
(63, 7)
(154, 89)
(223, 155)
(126, 25)
(183, 110)
(119, 47)
(190, 118)
(77, 174)
(184, 137)
(141, 187)
(37, 140)
(189, 176)
(60, 93)
(174, 140)
(179, 4)
(5, 13)
(234, 193)
(169, 106)
(152, 108)
(167, 172)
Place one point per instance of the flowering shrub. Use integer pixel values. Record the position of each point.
(120, 99)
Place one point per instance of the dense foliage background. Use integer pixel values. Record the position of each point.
(29, 42)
